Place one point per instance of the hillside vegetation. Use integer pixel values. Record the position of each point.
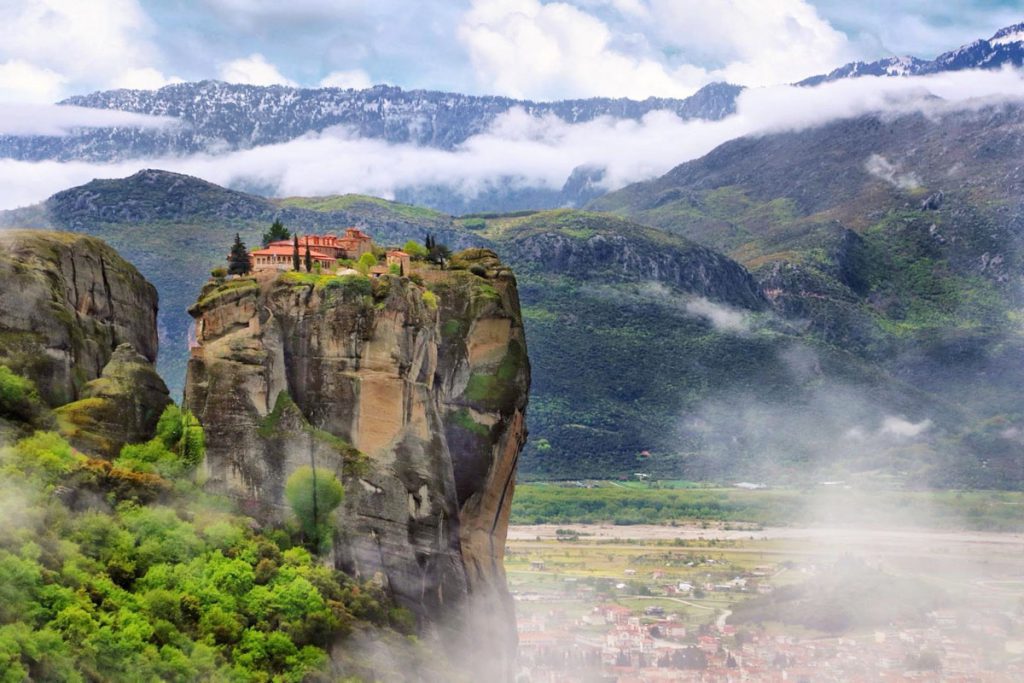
(897, 240)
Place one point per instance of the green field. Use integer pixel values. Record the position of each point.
(628, 503)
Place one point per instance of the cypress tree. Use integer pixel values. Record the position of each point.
(238, 260)
(296, 264)
(277, 232)
(309, 260)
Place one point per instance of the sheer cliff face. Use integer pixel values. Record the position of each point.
(414, 395)
(66, 303)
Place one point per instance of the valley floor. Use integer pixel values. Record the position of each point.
(726, 601)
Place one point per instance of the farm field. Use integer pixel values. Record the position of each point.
(860, 504)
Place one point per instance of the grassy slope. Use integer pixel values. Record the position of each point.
(360, 202)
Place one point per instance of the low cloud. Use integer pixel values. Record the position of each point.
(722, 318)
(49, 119)
(882, 168)
(518, 148)
(899, 427)
(825, 428)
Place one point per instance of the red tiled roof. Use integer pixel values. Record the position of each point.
(281, 250)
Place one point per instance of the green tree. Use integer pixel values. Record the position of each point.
(440, 254)
(238, 260)
(313, 496)
(277, 233)
(308, 260)
(18, 396)
(415, 250)
(366, 261)
(296, 265)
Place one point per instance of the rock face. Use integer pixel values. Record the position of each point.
(413, 395)
(66, 303)
(121, 406)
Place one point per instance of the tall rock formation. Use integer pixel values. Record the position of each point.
(411, 390)
(66, 302)
(78, 322)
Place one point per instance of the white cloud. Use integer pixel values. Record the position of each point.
(722, 318)
(897, 426)
(145, 78)
(756, 42)
(24, 82)
(253, 70)
(69, 43)
(353, 78)
(526, 48)
(539, 152)
(51, 119)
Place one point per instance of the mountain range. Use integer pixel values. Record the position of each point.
(1004, 48)
(214, 118)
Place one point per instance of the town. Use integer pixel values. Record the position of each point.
(632, 612)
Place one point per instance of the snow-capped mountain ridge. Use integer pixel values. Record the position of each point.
(1004, 48)
(219, 116)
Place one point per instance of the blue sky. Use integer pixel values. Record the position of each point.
(540, 49)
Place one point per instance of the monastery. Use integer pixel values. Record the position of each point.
(326, 250)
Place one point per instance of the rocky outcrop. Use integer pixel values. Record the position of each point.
(121, 406)
(66, 302)
(698, 270)
(413, 394)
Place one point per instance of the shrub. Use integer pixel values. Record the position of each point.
(313, 496)
(44, 456)
(350, 285)
(220, 272)
(178, 447)
(18, 396)
(430, 299)
(152, 456)
(169, 427)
